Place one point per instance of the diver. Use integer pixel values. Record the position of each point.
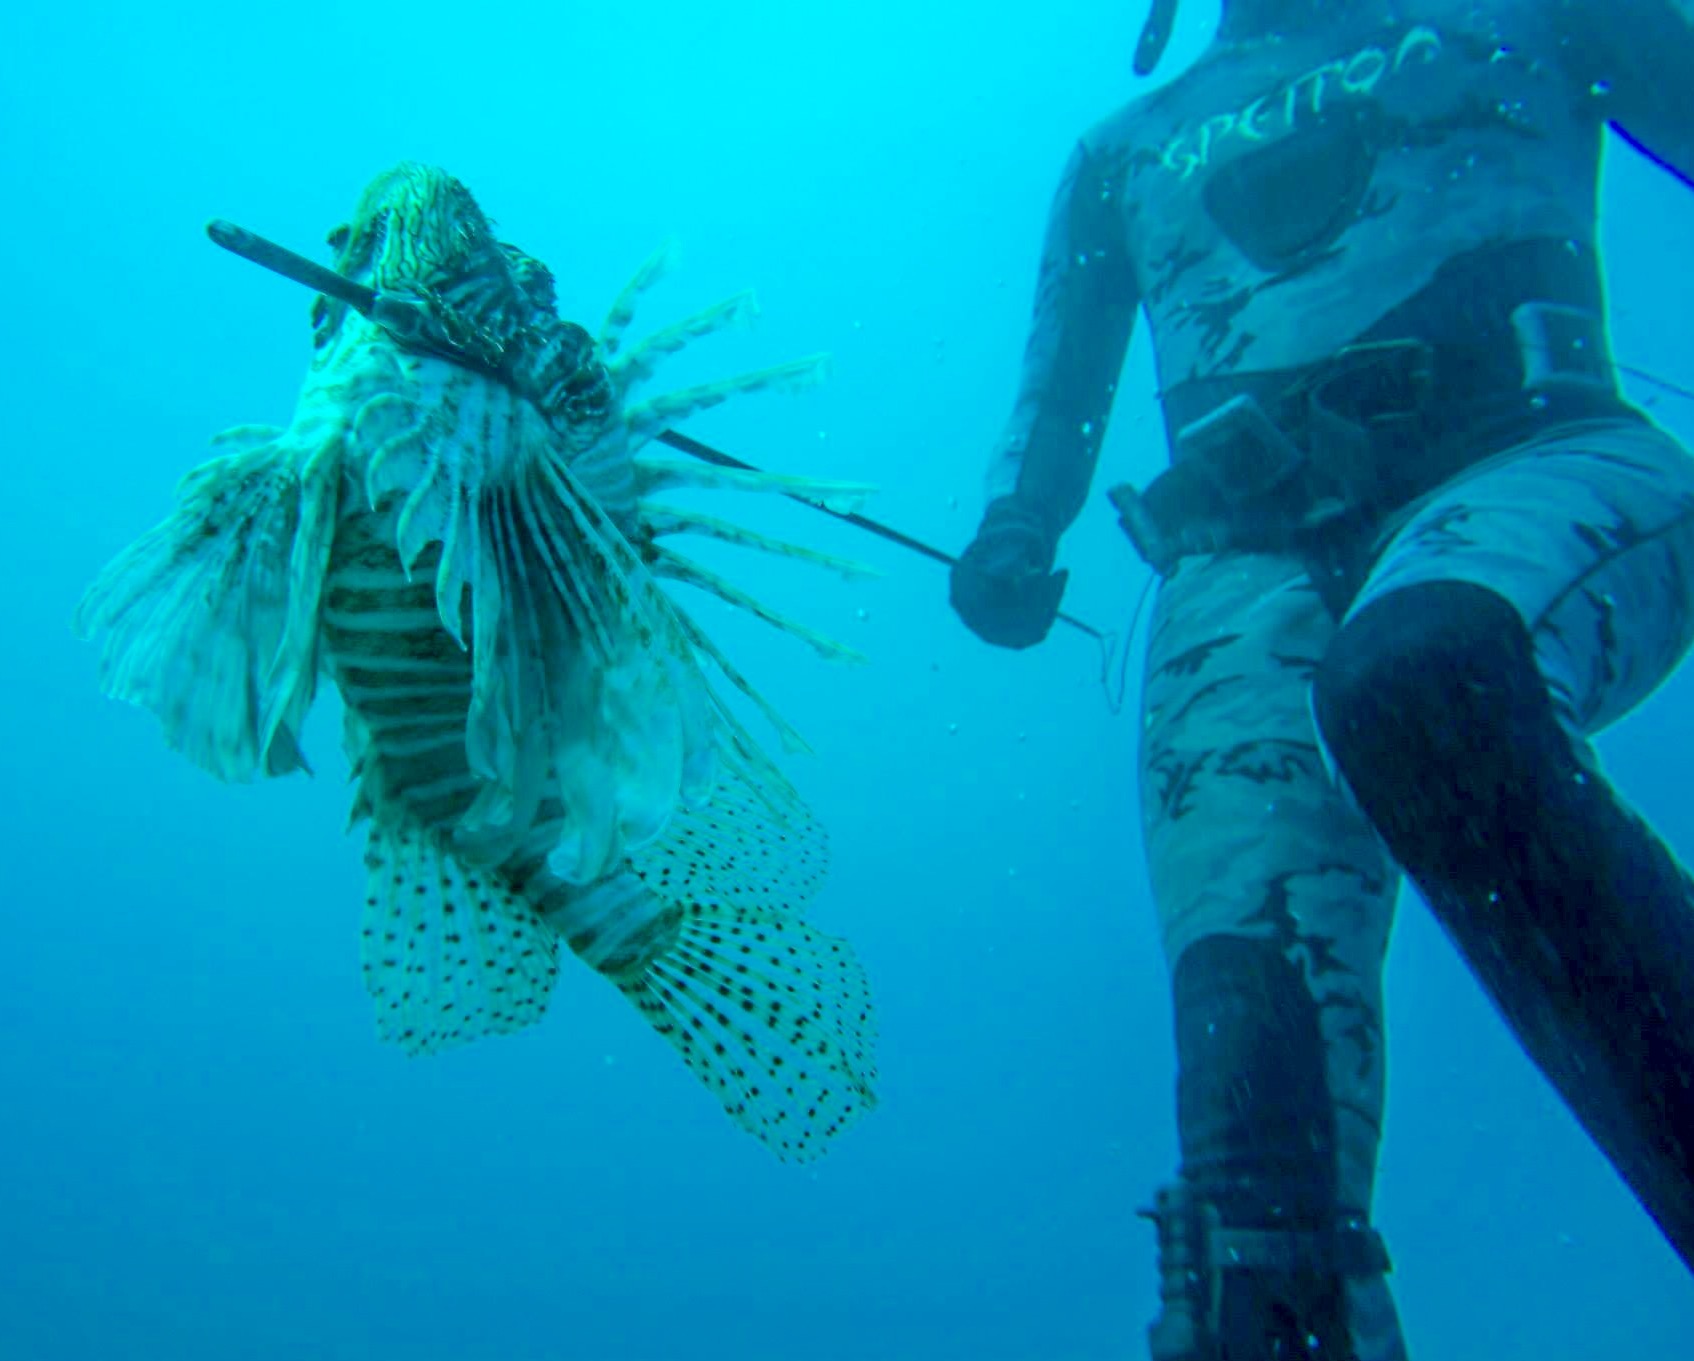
(1414, 550)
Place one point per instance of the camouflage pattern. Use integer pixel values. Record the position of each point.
(1588, 532)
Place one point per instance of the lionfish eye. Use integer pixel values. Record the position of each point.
(339, 237)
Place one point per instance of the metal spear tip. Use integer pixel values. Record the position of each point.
(228, 235)
(269, 255)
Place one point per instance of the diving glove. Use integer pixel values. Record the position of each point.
(1003, 585)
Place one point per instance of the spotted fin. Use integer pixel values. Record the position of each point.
(703, 934)
(449, 954)
(772, 1015)
(211, 616)
(754, 845)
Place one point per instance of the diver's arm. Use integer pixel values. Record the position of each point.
(1004, 587)
(1085, 304)
(1638, 56)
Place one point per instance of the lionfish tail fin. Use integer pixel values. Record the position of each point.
(211, 616)
(772, 1015)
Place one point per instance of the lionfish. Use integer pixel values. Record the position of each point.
(456, 529)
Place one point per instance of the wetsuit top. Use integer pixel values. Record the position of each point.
(1285, 195)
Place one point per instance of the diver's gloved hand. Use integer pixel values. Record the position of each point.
(1004, 586)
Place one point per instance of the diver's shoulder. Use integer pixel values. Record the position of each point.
(1197, 90)
(1225, 75)
(1125, 125)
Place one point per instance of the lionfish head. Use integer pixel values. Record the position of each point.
(417, 231)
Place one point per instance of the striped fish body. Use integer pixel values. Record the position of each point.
(405, 680)
(466, 549)
(407, 684)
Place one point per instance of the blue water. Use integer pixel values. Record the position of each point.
(204, 1152)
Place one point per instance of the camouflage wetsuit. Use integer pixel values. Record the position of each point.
(1410, 187)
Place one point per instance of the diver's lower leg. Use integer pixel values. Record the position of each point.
(1258, 1258)
(1573, 915)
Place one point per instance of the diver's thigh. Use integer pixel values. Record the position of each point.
(1245, 833)
(1590, 536)
(1237, 808)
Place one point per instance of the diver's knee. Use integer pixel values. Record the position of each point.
(1417, 677)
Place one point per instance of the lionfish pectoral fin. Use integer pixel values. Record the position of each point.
(703, 936)
(450, 953)
(583, 692)
(584, 689)
(211, 616)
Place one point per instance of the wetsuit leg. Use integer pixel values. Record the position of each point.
(1275, 901)
(1527, 606)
